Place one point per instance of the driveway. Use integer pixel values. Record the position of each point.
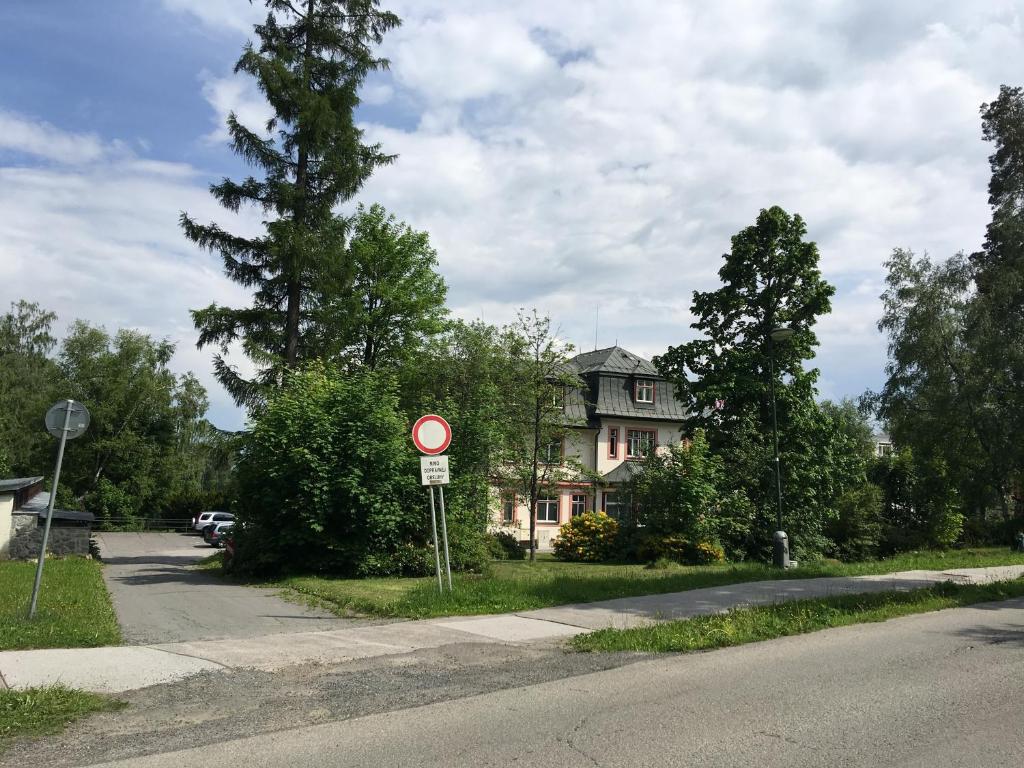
(159, 599)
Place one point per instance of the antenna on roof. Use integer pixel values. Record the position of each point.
(597, 314)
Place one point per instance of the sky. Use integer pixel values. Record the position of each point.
(588, 159)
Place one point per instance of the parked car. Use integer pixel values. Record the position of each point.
(220, 531)
(204, 519)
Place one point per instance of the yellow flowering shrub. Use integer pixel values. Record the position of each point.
(588, 538)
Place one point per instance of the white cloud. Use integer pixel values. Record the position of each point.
(238, 94)
(100, 241)
(571, 157)
(227, 15)
(24, 135)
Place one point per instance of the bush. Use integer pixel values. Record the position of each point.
(326, 481)
(991, 533)
(590, 537)
(857, 529)
(504, 545)
(651, 547)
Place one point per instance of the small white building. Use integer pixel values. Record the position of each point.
(625, 410)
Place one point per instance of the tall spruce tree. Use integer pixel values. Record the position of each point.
(311, 59)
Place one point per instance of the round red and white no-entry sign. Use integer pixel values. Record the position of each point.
(431, 434)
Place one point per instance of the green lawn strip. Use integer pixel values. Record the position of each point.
(38, 711)
(74, 607)
(517, 586)
(750, 625)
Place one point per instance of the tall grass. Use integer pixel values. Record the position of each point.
(518, 586)
(74, 607)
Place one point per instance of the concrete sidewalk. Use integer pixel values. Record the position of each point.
(122, 668)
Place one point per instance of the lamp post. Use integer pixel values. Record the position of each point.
(780, 543)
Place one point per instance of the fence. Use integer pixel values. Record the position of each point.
(178, 525)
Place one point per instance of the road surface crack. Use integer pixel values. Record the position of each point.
(569, 742)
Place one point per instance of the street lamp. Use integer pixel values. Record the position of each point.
(780, 543)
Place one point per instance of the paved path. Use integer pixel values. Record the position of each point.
(938, 690)
(158, 599)
(125, 668)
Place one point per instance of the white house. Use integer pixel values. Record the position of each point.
(625, 410)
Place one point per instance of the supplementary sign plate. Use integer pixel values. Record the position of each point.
(434, 470)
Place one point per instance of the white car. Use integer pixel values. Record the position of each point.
(204, 519)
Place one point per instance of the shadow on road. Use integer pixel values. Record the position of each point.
(154, 559)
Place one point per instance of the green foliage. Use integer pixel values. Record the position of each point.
(504, 545)
(147, 441)
(677, 492)
(856, 530)
(920, 503)
(463, 374)
(28, 387)
(649, 546)
(309, 63)
(326, 480)
(38, 711)
(537, 381)
(398, 294)
(770, 278)
(589, 538)
(955, 388)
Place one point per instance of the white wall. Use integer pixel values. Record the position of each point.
(6, 507)
(669, 433)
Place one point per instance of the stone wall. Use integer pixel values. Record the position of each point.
(27, 534)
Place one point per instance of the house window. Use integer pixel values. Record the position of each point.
(613, 443)
(614, 505)
(644, 392)
(558, 397)
(508, 509)
(547, 510)
(884, 449)
(579, 504)
(640, 442)
(552, 452)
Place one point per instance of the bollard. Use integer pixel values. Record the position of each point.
(780, 550)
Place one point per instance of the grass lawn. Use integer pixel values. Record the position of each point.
(39, 711)
(517, 586)
(750, 625)
(74, 608)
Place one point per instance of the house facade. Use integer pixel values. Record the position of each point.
(624, 410)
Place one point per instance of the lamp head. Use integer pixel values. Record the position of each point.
(782, 332)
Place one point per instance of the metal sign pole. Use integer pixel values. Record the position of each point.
(433, 527)
(444, 535)
(49, 510)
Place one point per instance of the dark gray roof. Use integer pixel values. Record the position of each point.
(17, 483)
(614, 360)
(623, 473)
(610, 376)
(38, 504)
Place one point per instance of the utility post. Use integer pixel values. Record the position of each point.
(780, 541)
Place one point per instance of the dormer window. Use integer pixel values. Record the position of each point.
(643, 391)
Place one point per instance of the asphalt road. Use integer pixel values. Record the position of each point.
(935, 690)
(158, 599)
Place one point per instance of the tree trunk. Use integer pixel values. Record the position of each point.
(291, 328)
